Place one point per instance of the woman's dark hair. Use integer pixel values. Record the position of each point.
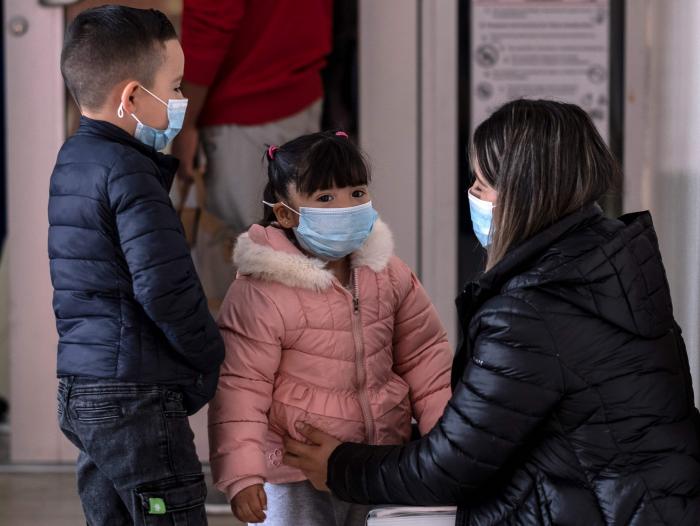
(106, 45)
(546, 160)
(310, 163)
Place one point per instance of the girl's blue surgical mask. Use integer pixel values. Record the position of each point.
(333, 233)
(482, 218)
(159, 139)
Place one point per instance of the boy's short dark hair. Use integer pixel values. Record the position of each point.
(106, 45)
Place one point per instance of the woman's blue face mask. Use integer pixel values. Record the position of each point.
(481, 213)
(333, 233)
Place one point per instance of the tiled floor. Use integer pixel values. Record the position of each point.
(36, 496)
(50, 499)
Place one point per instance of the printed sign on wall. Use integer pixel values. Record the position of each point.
(556, 49)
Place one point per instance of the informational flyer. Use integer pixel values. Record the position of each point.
(553, 49)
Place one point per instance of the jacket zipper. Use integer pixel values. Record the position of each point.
(360, 358)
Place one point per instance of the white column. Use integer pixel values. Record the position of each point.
(36, 123)
(439, 157)
(388, 61)
(662, 145)
(408, 127)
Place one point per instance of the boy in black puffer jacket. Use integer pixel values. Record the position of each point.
(138, 349)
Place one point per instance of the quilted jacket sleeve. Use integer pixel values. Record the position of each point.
(253, 331)
(512, 383)
(422, 355)
(164, 279)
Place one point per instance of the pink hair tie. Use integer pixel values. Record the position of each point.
(271, 151)
(341, 134)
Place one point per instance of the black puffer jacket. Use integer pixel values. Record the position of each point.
(128, 303)
(572, 400)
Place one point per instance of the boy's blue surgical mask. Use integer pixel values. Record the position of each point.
(482, 218)
(333, 233)
(159, 139)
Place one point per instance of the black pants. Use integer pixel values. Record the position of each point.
(137, 462)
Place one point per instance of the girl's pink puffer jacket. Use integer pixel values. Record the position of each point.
(357, 363)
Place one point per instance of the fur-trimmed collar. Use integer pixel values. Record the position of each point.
(267, 254)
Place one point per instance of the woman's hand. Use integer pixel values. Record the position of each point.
(249, 504)
(312, 458)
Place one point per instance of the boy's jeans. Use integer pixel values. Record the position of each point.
(137, 462)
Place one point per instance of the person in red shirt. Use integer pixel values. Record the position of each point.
(253, 77)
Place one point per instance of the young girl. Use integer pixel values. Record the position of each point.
(325, 326)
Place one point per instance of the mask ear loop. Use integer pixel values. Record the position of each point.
(271, 205)
(120, 113)
(153, 95)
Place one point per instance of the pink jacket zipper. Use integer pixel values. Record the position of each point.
(360, 359)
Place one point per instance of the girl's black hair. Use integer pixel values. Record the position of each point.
(310, 163)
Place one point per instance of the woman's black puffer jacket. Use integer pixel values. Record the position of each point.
(572, 399)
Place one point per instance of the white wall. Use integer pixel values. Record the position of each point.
(35, 117)
(662, 145)
(388, 58)
(439, 158)
(408, 127)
